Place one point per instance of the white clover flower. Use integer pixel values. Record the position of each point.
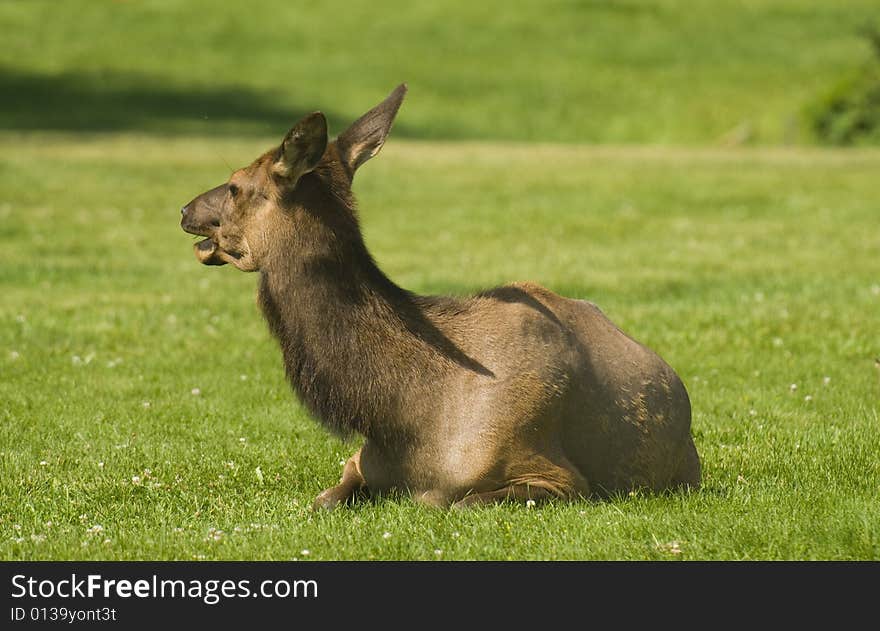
(195, 392)
(214, 534)
(386, 535)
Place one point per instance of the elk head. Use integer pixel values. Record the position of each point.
(244, 219)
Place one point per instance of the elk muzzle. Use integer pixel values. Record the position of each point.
(201, 217)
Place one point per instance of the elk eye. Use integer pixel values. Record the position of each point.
(233, 190)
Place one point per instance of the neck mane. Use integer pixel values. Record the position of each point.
(354, 343)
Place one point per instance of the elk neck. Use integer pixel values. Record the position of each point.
(356, 346)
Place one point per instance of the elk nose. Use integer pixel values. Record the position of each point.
(184, 210)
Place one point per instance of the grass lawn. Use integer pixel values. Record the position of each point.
(143, 407)
(619, 71)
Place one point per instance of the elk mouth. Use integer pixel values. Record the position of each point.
(207, 252)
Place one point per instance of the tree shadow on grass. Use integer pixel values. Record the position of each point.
(84, 102)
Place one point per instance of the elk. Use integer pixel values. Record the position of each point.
(513, 393)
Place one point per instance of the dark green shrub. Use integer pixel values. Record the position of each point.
(850, 112)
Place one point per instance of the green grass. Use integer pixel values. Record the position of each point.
(622, 71)
(749, 270)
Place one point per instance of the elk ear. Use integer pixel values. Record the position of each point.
(365, 137)
(302, 147)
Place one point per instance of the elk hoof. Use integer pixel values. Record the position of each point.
(327, 500)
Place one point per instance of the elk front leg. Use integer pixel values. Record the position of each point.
(351, 484)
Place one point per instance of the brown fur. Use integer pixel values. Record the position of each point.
(514, 393)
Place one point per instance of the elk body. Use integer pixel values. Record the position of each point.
(513, 393)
